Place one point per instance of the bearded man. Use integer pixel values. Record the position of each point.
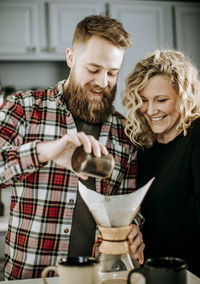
(40, 131)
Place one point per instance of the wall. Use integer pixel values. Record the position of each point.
(29, 74)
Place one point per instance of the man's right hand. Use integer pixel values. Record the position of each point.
(60, 151)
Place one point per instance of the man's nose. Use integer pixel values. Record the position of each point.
(102, 80)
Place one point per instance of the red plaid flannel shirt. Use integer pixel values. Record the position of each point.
(43, 196)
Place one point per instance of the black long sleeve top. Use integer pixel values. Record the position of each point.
(172, 205)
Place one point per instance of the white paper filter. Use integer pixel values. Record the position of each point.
(114, 210)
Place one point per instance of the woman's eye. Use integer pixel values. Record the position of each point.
(162, 100)
(144, 100)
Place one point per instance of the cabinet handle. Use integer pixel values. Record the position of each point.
(33, 49)
(53, 49)
(107, 13)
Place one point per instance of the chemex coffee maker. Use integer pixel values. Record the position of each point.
(114, 216)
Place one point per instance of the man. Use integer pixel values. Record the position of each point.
(40, 131)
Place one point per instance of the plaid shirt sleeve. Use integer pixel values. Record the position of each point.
(17, 160)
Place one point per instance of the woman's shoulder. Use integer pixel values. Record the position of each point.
(195, 126)
(193, 132)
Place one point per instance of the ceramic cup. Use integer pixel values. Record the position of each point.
(73, 270)
(163, 270)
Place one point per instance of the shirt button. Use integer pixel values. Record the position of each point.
(71, 201)
(66, 230)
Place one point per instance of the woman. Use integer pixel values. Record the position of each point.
(163, 117)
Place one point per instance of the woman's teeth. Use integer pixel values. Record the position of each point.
(156, 118)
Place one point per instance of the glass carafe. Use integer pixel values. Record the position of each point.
(114, 261)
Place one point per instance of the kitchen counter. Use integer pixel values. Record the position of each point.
(192, 279)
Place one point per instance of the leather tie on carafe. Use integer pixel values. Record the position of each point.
(113, 241)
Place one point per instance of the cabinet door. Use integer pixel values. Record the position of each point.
(187, 19)
(150, 25)
(63, 18)
(18, 27)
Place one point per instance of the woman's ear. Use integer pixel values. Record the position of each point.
(69, 57)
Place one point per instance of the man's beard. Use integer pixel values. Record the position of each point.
(90, 110)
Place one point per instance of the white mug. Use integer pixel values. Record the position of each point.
(75, 270)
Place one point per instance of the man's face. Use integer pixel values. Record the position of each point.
(91, 86)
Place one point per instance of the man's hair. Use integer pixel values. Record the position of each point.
(183, 76)
(104, 27)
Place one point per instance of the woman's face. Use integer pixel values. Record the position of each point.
(159, 107)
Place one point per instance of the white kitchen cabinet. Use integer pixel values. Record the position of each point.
(40, 29)
(150, 25)
(62, 20)
(43, 29)
(18, 27)
(187, 20)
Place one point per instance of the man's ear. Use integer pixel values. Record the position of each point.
(69, 57)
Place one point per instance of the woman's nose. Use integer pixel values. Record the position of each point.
(151, 109)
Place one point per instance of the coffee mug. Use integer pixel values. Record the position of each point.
(73, 270)
(165, 270)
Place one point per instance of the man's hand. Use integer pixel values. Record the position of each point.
(136, 244)
(60, 151)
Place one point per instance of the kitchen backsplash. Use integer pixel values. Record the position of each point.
(27, 75)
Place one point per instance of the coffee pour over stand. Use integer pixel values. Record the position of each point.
(114, 216)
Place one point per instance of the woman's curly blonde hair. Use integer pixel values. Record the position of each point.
(183, 77)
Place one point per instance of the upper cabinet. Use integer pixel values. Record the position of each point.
(187, 33)
(39, 29)
(18, 27)
(150, 26)
(43, 29)
(62, 20)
